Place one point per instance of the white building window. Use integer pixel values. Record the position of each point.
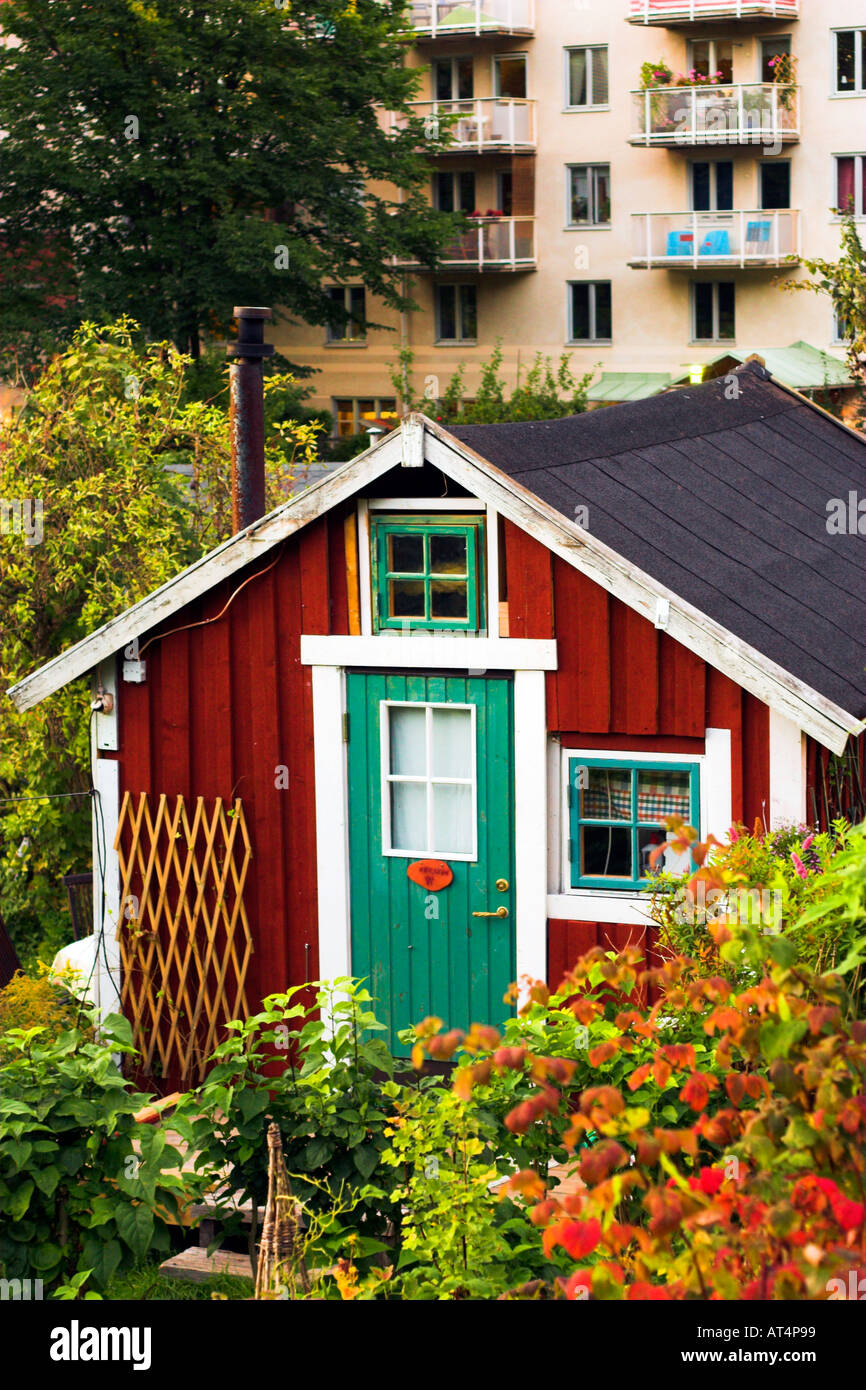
(456, 313)
(589, 195)
(850, 183)
(352, 299)
(713, 316)
(586, 78)
(850, 61)
(589, 308)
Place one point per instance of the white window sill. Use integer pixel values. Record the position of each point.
(583, 110)
(589, 342)
(588, 227)
(846, 96)
(360, 344)
(600, 905)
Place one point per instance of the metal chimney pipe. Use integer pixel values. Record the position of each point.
(247, 415)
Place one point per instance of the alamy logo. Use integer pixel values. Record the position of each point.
(76, 1343)
(20, 1289)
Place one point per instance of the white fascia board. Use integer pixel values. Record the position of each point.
(813, 713)
(396, 651)
(199, 578)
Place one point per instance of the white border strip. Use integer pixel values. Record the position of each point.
(414, 649)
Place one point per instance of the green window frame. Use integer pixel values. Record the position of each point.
(429, 585)
(625, 816)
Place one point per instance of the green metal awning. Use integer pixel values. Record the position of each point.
(800, 366)
(628, 386)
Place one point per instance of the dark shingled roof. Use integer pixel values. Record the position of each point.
(724, 501)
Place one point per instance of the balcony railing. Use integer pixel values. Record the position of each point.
(435, 18)
(491, 244)
(671, 12)
(759, 113)
(699, 240)
(485, 124)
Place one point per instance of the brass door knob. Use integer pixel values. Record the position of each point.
(500, 912)
(502, 885)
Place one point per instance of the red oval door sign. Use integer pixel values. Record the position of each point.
(432, 874)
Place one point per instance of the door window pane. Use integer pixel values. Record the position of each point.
(468, 312)
(452, 818)
(434, 811)
(770, 49)
(408, 729)
(466, 191)
(447, 298)
(701, 186)
(443, 190)
(452, 743)
(442, 79)
(465, 79)
(580, 311)
(409, 816)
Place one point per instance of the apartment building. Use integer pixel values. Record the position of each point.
(645, 225)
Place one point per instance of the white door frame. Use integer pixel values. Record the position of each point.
(528, 659)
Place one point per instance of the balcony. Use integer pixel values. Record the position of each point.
(669, 13)
(759, 113)
(435, 19)
(485, 125)
(745, 240)
(491, 244)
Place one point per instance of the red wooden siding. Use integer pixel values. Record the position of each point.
(224, 706)
(568, 940)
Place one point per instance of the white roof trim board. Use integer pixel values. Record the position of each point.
(749, 668)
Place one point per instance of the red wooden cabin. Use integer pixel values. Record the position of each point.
(514, 649)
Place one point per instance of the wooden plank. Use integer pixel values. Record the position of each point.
(211, 732)
(353, 583)
(632, 743)
(197, 1266)
(134, 708)
(530, 584)
(756, 761)
(579, 691)
(566, 943)
(682, 689)
(172, 746)
(338, 573)
(634, 672)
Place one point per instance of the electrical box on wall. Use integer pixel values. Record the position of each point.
(105, 720)
(134, 668)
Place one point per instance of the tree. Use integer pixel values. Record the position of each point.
(95, 515)
(546, 392)
(844, 281)
(168, 159)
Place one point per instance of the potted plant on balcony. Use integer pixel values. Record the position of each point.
(784, 69)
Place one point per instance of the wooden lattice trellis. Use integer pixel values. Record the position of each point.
(185, 940)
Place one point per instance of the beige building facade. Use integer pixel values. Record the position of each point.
(641, 226)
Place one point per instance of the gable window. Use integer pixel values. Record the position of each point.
(589, 195)
(713, 317)
(427, 574)
(586, 78)
(617, 813)
(352, 299)
(429, 781)
(851, 184)
(456, 313)
(590, 311)
(850, 63)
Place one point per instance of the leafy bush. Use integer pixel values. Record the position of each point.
(85, 1191)
(313, 1068)
(547, 392)
(35, 1001)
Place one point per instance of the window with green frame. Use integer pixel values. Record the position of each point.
(617, 812)
(428, 572)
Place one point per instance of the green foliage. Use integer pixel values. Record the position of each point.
(190, 158)
(102, 426)
(312, 1067)
(775, 880)
(547, 392)
(84, 1189)
(844, 282)
(146, 1283)
(35, 1002)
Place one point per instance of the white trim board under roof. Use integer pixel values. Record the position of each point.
(427, 441)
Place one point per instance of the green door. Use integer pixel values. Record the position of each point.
(431, 777)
